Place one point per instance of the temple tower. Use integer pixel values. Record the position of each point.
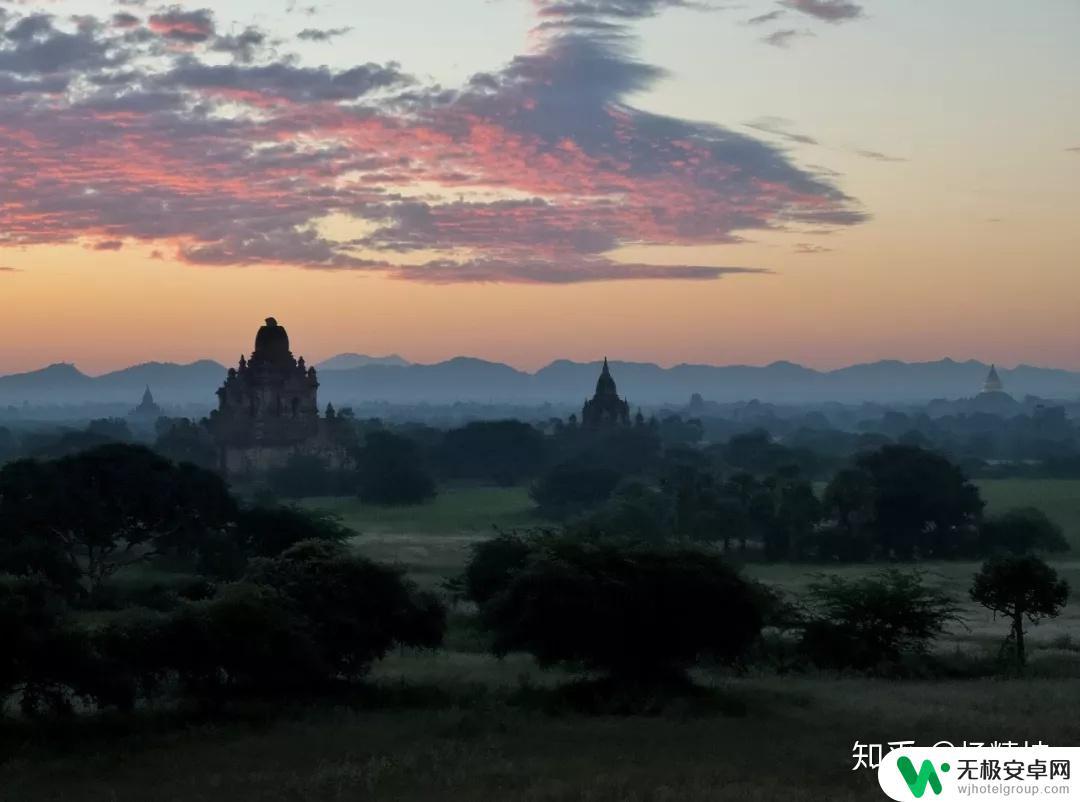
(605, 408)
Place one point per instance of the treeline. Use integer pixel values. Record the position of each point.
(268, 600)
(895, 502)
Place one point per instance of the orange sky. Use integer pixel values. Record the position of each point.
(959, 173)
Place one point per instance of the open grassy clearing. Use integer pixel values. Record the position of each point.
(1058, 498)
(792, 741)
(456, 510)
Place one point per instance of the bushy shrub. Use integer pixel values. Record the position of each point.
(246, 640)
(635, 513)
(638, 614)
(1021, 531)
(868, 622)
(43, 657)
(493, 563)
(356, 610)
(266, 531)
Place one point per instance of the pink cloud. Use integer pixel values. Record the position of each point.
(146, 158)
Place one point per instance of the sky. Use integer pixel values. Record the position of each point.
(820, 181)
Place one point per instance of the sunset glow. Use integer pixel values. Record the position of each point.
(824, 182)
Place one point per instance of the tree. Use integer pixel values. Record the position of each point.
(78, 519)
(850, 498)
(923, 504)
(114, 430)
(392, 471)
(638, 614)
(303, 476)
(505, 452)
(635, 513)
(265, 531)
(1020, 531)
(181, 440)
(1020, 588)
(756, 499)
(797, 513)
(356, 609)
(756, 453)
(863, 623)
(8, 444)
(493, 563)
(573, 487)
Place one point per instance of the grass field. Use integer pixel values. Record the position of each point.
(459, 724)
(456, 510)
(791, 743)
(1058, 498)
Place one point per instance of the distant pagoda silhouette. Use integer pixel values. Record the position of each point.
(148, 410)
(605, 408)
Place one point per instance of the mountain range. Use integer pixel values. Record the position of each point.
(354, 378)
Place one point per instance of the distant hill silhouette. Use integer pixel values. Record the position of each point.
(394, 379)
(63, 384)
(350, 361)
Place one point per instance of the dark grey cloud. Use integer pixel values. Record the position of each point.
(828, 10)
(11, 85)
(109, 245)
(32, 45)
(1073, 150)
(783, 38)
(276, 246)
(322, 34)
(183, 25)
(123, 19)
(284, 80)
(619, 9)
(243, 47)
(761, 19)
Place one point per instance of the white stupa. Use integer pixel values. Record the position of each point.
(993, 383)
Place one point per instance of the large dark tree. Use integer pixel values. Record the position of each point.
(924, 505)
(392, 470)
(265, 531)
(573, 487)
(1020, 588)
(78, 519)
(849, 499)
(504, 452)
(356, 609)
(638, 614)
